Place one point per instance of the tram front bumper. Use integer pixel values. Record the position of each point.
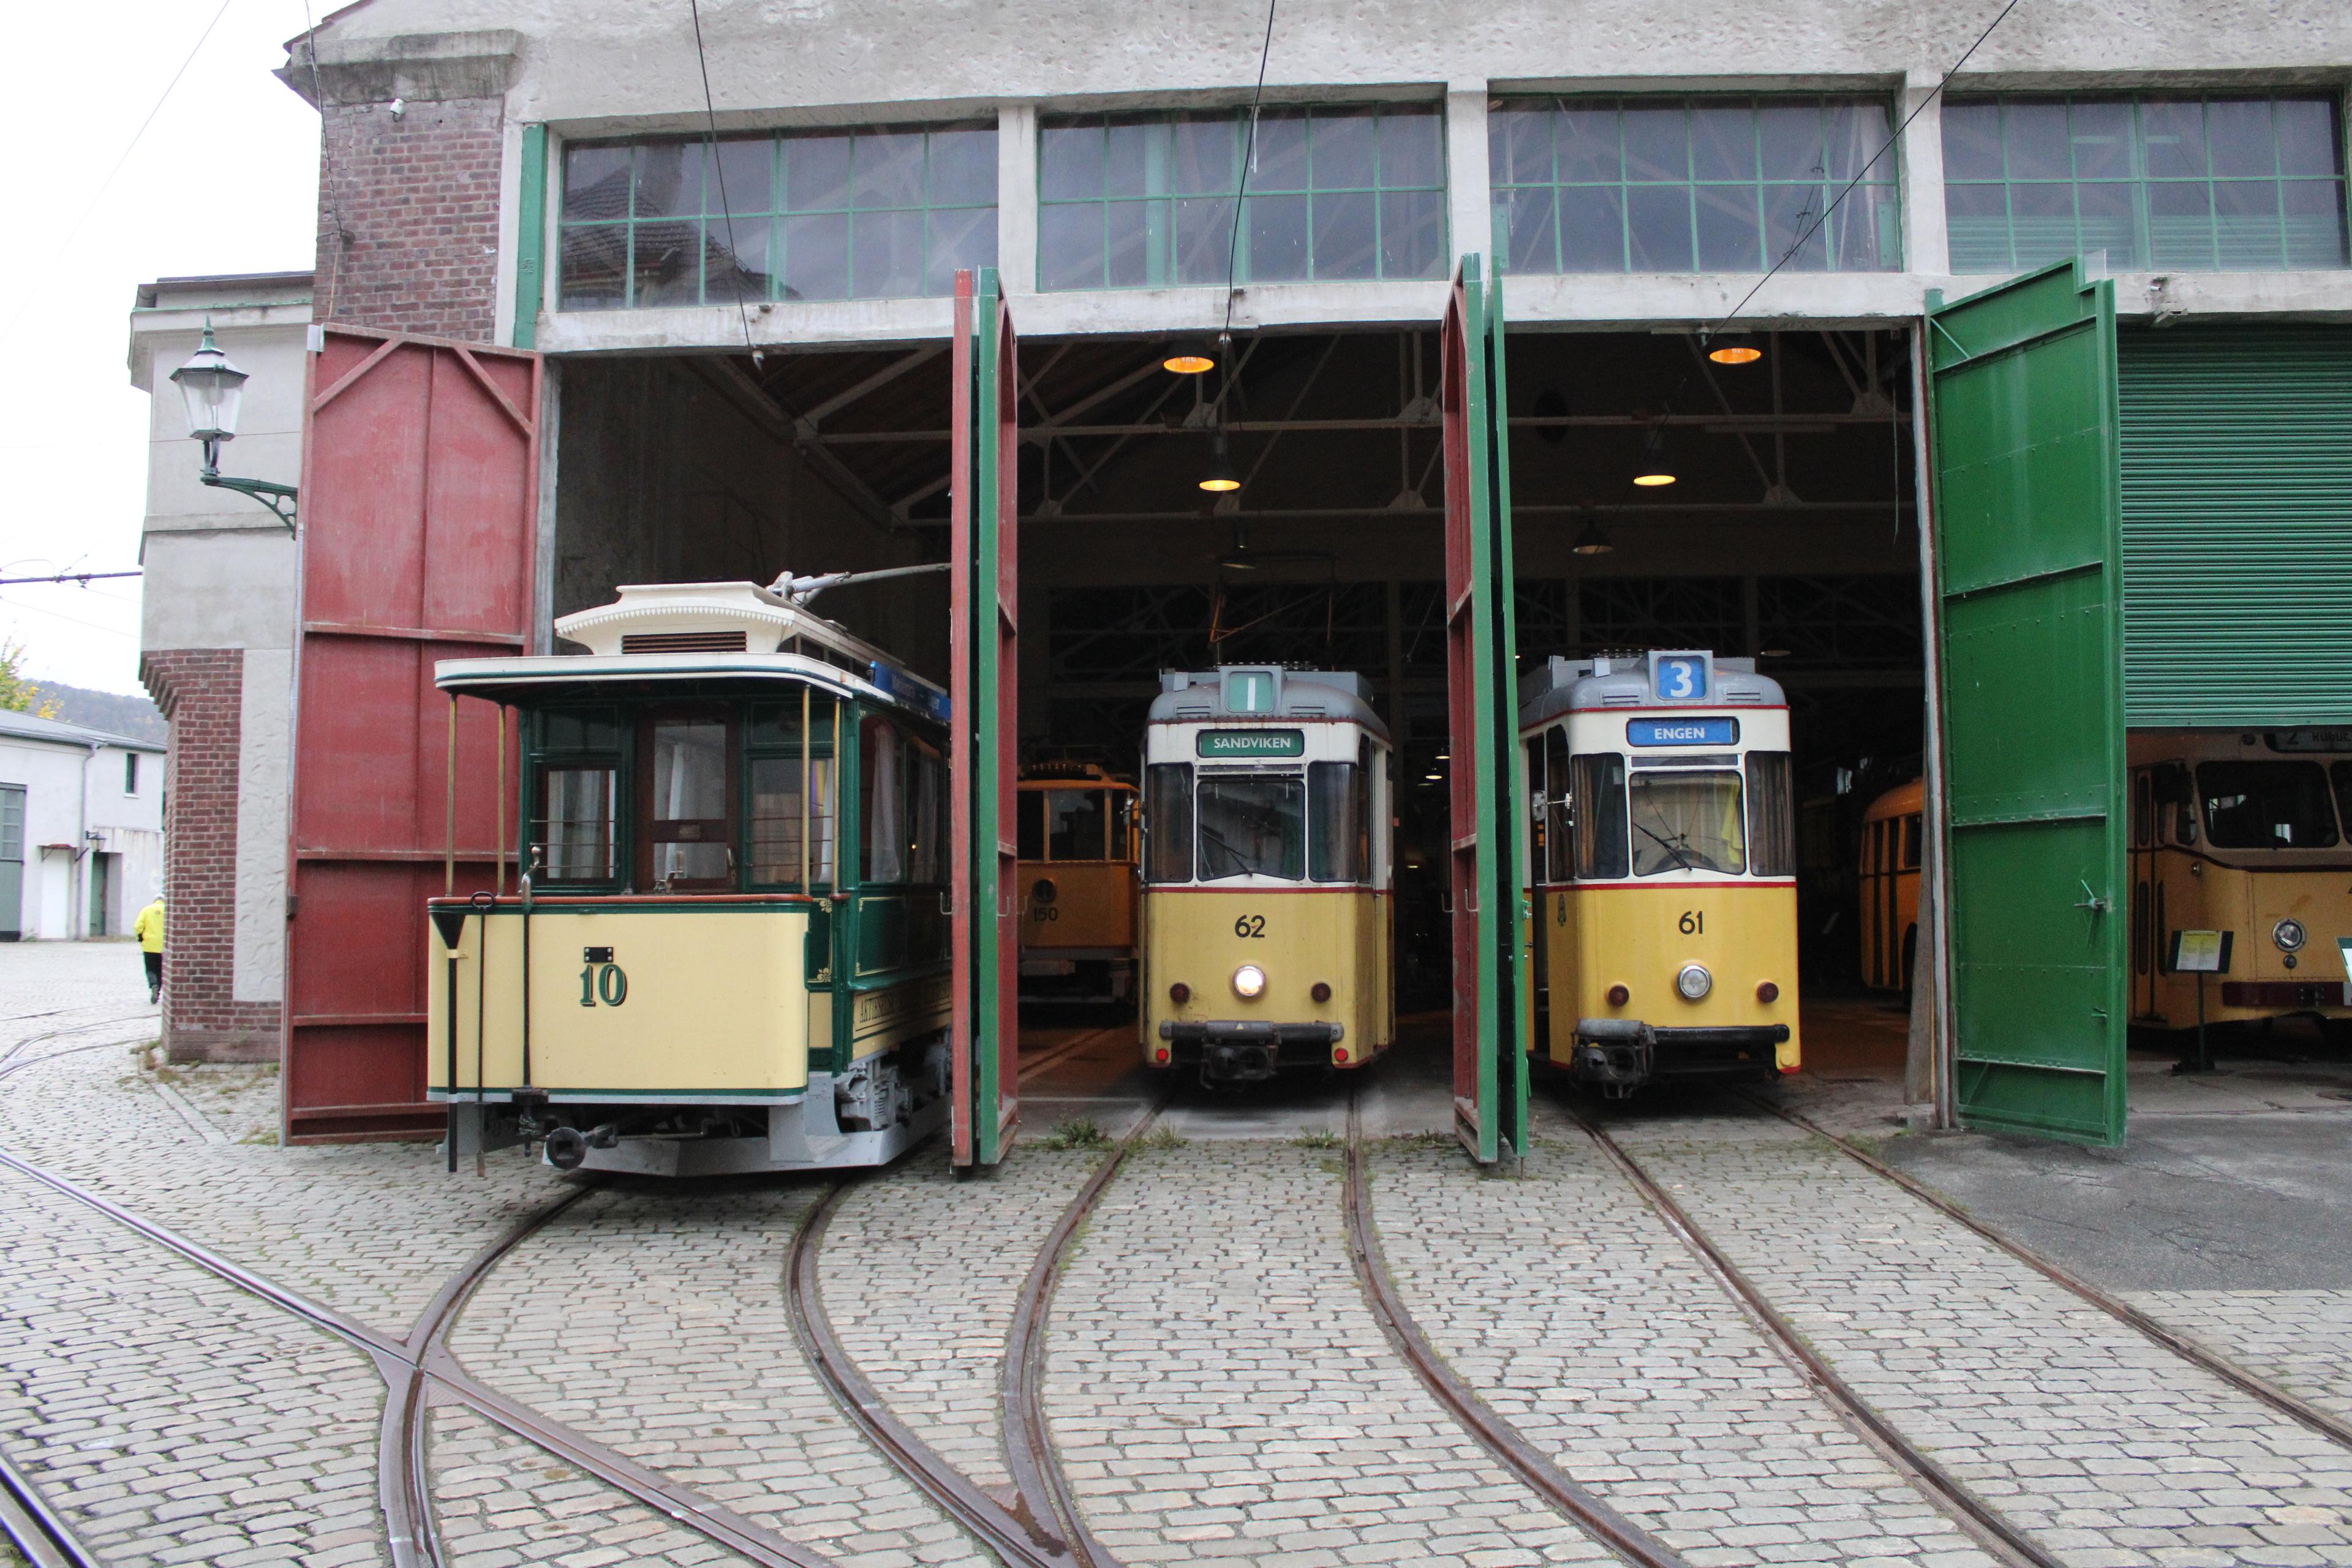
(1626, 1052)
(1237, 1052)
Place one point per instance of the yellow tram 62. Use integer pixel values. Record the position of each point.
(1076, 826)
(1663, 866)
(728, 951)
(1267, 916)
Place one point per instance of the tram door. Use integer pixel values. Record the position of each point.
(2022, 389)
(1487, 796)
(983, 628)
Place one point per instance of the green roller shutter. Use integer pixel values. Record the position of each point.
(2237, 525)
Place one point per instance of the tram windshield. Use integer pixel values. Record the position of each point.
(1687, 820)
(691, 831)
(1253, 824)
(2266, 806)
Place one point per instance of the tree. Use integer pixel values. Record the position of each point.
(19, 695)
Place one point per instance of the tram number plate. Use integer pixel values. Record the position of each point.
(602, 980)
(1250, 926)
(596, 955)
(1694, 922)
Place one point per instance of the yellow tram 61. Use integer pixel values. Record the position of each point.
(2245, 832)
(1267, 917)
(1664, 867)
(1076, 823)
(727, 952)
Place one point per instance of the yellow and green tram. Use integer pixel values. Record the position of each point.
(1267, 910)
(2245, 832)
(727, 951)
(1663, 866)
(1074, 824)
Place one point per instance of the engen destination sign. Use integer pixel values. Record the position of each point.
(1682, 732)
(1229, 744)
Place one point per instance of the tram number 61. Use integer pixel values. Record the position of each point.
(1694, 922)
(1250, 926)
(604, 983)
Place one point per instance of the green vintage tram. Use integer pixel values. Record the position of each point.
(727, 951)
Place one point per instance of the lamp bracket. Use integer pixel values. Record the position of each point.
(279, 498)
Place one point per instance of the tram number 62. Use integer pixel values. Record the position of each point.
(1693, 922)
(604, 983)
(1250, 926)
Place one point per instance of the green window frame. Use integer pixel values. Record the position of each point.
(594, 736)
(2194, 182)
(773, 734)
(888, 212)
(1138, 201)
(1598, 184)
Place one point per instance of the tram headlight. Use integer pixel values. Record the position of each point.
(1249, 980)
(1694, 981)
(2289, 936)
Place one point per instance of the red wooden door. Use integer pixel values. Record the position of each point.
(419, 515)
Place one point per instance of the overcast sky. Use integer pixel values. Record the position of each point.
(225, 180)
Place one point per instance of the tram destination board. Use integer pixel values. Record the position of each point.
(1237, 743)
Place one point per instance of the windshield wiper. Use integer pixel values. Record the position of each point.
(1668, 846)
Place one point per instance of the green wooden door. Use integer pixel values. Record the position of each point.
(982, 627)
(2025, 432)
(12, 862)
(1487, 795)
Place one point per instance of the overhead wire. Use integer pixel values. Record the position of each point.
(710, 139)
(1249, 159)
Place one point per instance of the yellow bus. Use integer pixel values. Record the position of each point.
(1664, 868)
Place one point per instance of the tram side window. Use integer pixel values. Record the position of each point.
(573, 827)
(1688, 821)
(1253, 824)
(2267, 805)
(1597, 814)
(1167, 822)
(926, 776)
(780, 806)
(1772, 817)
(689, 827)
(882, 800)
(1336, 811)
(1559, 814)
(1029, 824)
(1076, 824)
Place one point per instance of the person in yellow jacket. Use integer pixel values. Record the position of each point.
(149, 929)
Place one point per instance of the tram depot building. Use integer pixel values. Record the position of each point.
(2046, 448)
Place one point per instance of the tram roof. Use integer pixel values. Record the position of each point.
(1623, 680)
(543, 678)
(1189, 697)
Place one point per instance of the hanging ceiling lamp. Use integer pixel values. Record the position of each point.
(1734, 349)
(1653, 471)
(1593, 541)
(1221, 476)
(1189, 359)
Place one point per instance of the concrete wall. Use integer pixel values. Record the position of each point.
(71, 794)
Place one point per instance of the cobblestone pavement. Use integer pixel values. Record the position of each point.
(651, 1316)
(1586, 1323)
(920, 1272)
(1218, 1390)
(2108, 1448)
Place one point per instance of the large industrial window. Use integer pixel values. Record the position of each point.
(835, 214)
(2217, 185)
(1143, 201)
(1631, 184)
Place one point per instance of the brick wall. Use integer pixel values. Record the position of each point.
(201, 691)
(408, 217)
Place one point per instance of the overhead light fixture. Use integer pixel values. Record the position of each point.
(1735, 350)
(1652, 471)
(1189, 359)
(1594, 540)
(1653, 481)
(1222, 476)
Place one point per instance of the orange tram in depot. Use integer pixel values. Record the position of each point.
(1076, 826)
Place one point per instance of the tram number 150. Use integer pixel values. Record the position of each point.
(604, 983)
(1694, 922)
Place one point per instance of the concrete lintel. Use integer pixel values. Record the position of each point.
(423, 68)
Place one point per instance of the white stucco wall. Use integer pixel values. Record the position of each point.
(70, 792)
(265, 748)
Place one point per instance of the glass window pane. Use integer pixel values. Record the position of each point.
(2037, 139)
(1412, 234)
(685, 815)
(776, 820)
(2103, 138)
(666, 263)
(1203, 238)
(1029, 825)
(595, 261)
(1588, 146)
(1077, 822)
(573, 828)
(1790, 138)
(1344, 155)
(964, 168)
(2246, 226)
(1129, 152)
(745, 176)
(1972, 141)
(1131, 228)
(1687, 822)
(1346, 235)
(2042, 220)
(1597, 813)
(1069, 161)
(1559, 825)
(1253, 824)
(668, 179)
(1859, 143)
(2314, 222)
(2307, 142)
(579, 730)
(2267, 805)
(2237, 136)
(1167, 822)
(2109, 222)
(2174, 137)
(961, 237)
(1070, 245)
(1659, 220)
(1591, 229)
(2180, 226)
(595, 182)
(1866, 230)
(1518, 146)
(735, 259)
(1978, 219)
(886, 255)
(1529, 243)
(1792, 239)
(1336, 820)
(816, 258)
(882, 801)
(1657, 144)
(1727, 229)
(1722, 144)
(1412, 150)
(1278, 156)
(886, 169)
(1205, 155)
(1772, 813)
(817, 172)
(1277, 238)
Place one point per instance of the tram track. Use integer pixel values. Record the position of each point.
(1977, 1518)
(2333, 1427)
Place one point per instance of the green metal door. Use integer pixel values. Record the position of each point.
(1488, 796)
(2025, 437)
(12, 862)
(982, 626)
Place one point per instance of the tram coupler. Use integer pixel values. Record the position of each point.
(1233, 1051)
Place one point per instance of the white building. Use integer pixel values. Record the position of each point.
(81, 829)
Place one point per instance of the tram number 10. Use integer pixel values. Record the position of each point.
(1694, 922)
(603, 982)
